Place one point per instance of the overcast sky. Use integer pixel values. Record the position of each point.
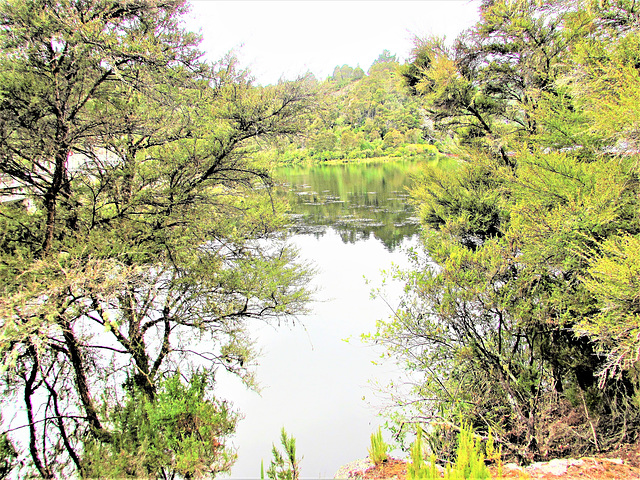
(289, 38)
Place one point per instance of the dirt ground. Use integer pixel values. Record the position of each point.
(623, 464)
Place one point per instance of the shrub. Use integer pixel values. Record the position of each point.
(378, 449)
(469, 461)
(417, 469)
(181, 432)
(287, 466)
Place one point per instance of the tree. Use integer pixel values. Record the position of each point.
(345, 74)
(509, 318)
(392, 138)
(57, 66)
(151, 245)
(485, 87)
(348, 141)
(605, 90)
(324, 141)
(384, 61)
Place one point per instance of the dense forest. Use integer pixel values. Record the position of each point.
(136, 185)
(361, 116)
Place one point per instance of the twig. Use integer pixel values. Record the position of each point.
(593, 430)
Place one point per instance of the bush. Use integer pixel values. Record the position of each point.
(287, 466)
(180, 432)
(469, 462)
(378, 449)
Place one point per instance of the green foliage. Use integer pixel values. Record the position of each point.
(520, 315)
(362, 116)
(8, 456)
(345, 74)
(285, 466)
(179, 431)
(378, 448)
(142, 249)
(613, 277)
(464, 202)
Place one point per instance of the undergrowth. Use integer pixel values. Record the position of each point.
(469, 462)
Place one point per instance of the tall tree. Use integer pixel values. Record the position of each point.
(510, 317)
(151, 243)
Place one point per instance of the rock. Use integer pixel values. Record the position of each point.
(354, 469)
(554, 467)
(513, 466)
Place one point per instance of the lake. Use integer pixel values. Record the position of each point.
(351, 221)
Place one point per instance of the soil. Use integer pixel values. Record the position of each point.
(623, 464)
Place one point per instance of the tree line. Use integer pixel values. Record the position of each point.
(361, 115)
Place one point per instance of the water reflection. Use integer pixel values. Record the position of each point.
(317, 386)
(351, 221)
(356, 200)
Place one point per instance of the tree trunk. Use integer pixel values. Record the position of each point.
(82, 384)
(51, 196)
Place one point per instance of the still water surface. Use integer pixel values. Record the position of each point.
(354, 200)
(351, 221)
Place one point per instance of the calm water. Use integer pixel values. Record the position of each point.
(352, 221)
(357, 201)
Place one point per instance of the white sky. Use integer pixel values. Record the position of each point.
(289, 38)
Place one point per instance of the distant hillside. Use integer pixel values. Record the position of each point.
(362, 115)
